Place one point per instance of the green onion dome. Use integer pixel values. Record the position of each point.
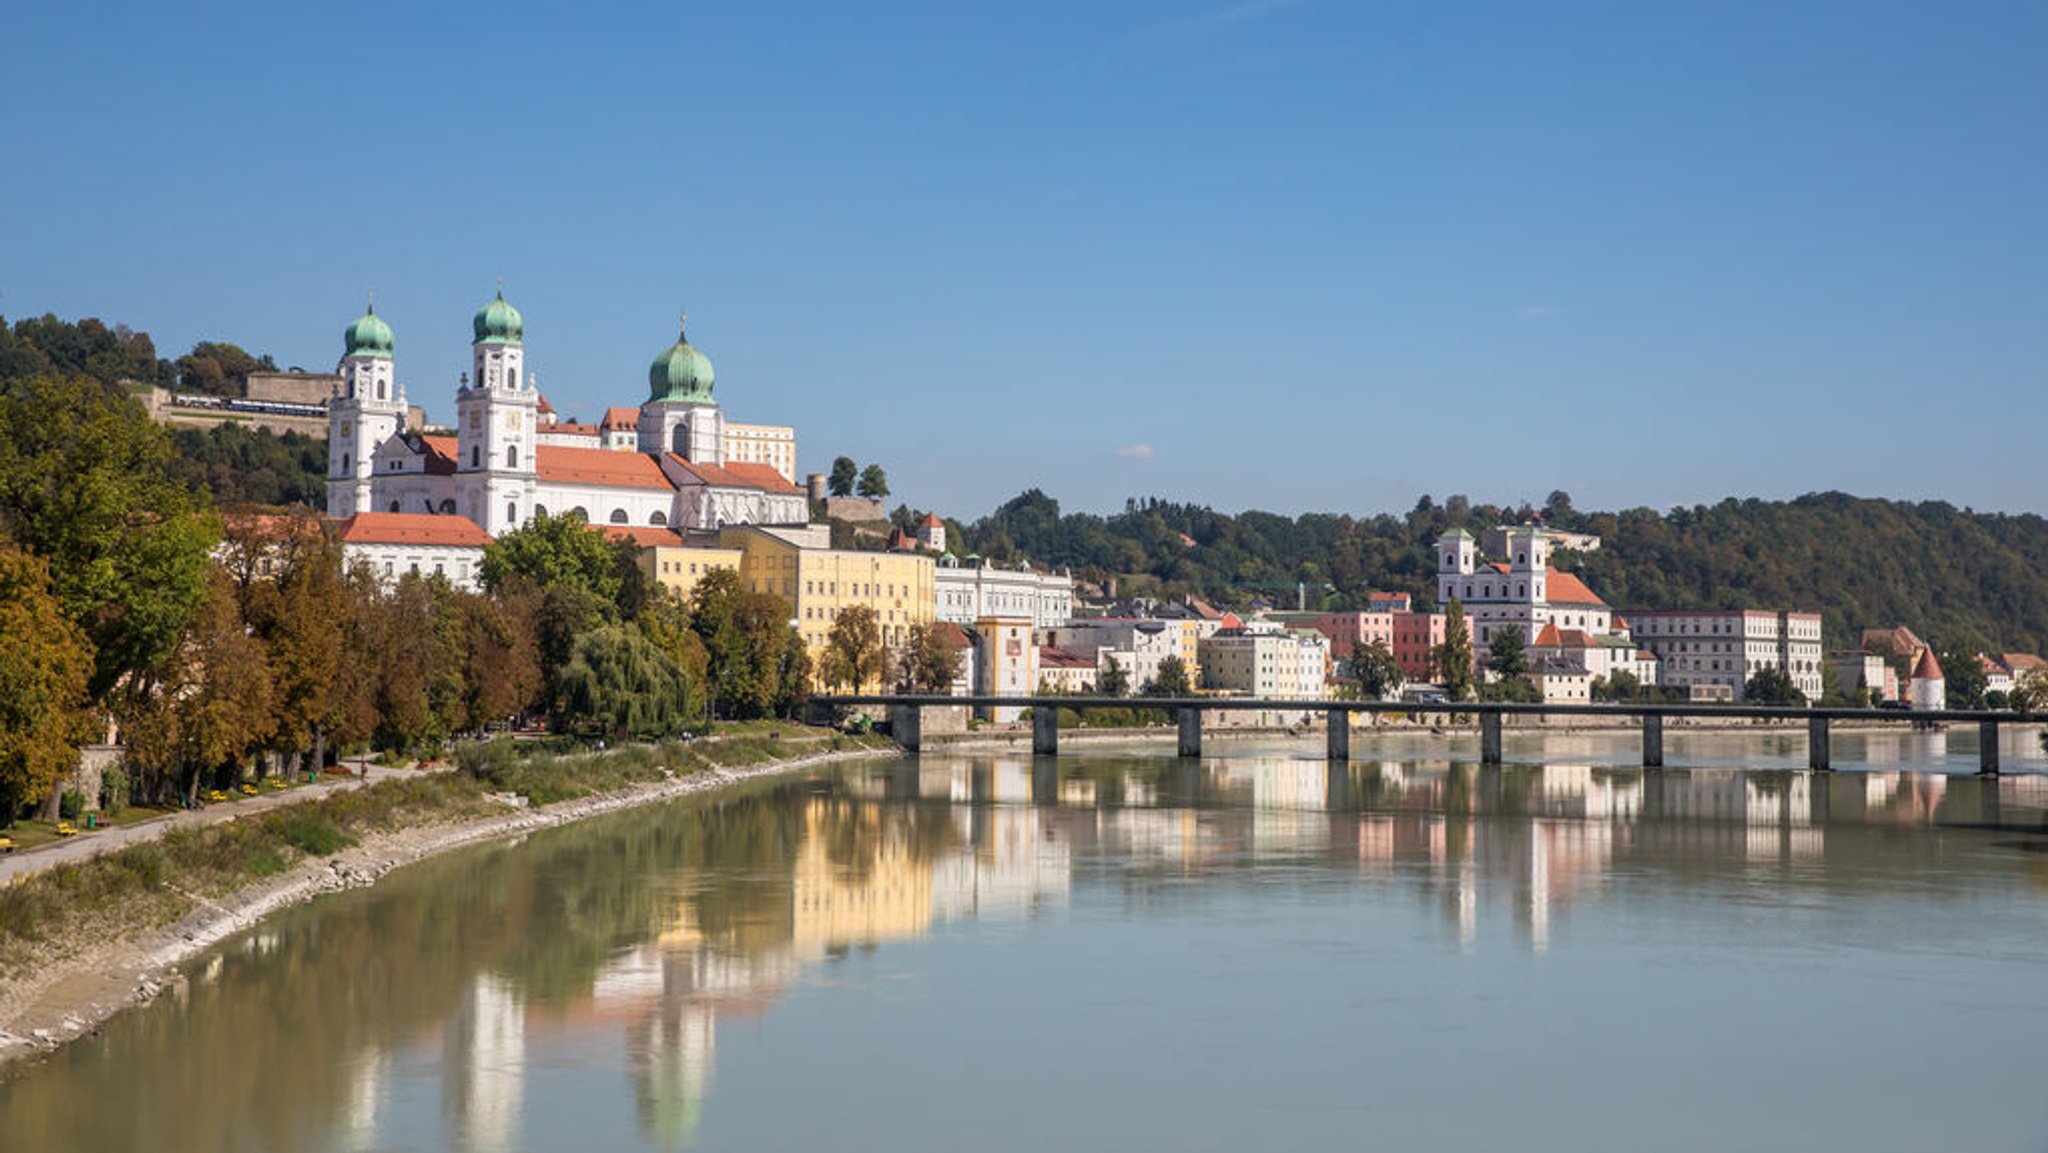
(680, 373)
(498, 323)
(368, 336)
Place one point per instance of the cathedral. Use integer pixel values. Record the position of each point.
(678, 464)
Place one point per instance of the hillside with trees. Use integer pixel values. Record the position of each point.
(1958, 577)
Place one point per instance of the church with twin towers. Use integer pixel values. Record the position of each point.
(674, 462)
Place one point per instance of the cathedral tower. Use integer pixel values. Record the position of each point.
(368, 410)
(680, 415)
(495, 413)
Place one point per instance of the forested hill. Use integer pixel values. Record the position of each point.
(1954, 576)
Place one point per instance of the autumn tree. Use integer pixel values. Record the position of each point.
(212, 707)
(44, 664)
(929, 664)
(853, 649)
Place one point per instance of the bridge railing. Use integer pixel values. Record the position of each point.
(906, 718)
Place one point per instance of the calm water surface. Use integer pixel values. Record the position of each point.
(1125, 951)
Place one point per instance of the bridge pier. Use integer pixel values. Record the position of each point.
(1653, 740)
(1819, 754)
(1339, 736)
(1045, 730)
(906, 724)
(1190, 732)
(1489, 738)
(1987, 748)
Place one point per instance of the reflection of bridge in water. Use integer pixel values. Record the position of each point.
(906, 720)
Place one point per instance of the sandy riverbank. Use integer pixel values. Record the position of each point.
(71, 997)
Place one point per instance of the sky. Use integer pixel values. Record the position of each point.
(1297, 255)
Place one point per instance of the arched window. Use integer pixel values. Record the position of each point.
(619, 516)
(659, 519)
(475, 456)
(511, 456)
(381, 386)
(512, 378)
(394, 506)
(580, 513)
(344, 462)
(511, 512)
(447, 507)
(540, 510)
(681, 445)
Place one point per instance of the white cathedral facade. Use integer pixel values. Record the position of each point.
(685, 466)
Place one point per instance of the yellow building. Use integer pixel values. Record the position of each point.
(820, 582)
(666, 562)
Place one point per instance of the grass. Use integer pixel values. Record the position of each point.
(47, 915)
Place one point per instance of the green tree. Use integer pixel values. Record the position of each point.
(874, 483)
(2030, 692)
(1963, 670)
(220, 369)
(666, 621)
(1376, 670)
(621, 683)
(1620, 685)
(1454, 655)
(1171, 680)
(552, 550)
(84, 484)
(853, 649)
(1772, 685)
(745, 636)
(213, 707)
(1113, 680)
(45, 661)
(1510, 652)
(843, 476)
(929, 664)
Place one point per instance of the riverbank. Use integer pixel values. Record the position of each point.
(85, 941)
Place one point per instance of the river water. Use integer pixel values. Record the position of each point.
(1119, 950)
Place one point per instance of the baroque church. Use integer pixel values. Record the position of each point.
(679, 465)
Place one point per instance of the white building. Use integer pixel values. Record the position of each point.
(968, 592)
(394, 544)
(1265, 661)
(1715, 652)
(509, 459)
(1521, 590)
(1137, 645)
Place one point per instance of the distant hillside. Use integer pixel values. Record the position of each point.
(1955, 577)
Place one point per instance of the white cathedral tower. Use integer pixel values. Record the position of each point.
(680, 415)
(369, 410)
(495, 414)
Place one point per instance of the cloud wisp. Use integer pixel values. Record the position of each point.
(1139, 451)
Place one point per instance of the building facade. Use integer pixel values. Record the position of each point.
(967, 592)
(393, 545)
(1713, 653)
(820, 582)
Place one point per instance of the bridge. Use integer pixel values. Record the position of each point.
(905, 712)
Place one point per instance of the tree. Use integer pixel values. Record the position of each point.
(1772, 685)
(853, 649)
(874, 483)
(213, 707)
(1510, 652)
(294, 596)
(1376, 670)
(619, 681)
(85, 484)
(220, 369)
(666, 621)
(2030, 692)
(45, 661)
(1454, 655)
(842, 478)
(1963, 670)
(1171, 680)
(552, 550)
(930, 665)
(1113, 680)
(1619, 685)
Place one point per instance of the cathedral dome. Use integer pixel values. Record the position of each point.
(498, 323)
(368, 336)
(680, 373)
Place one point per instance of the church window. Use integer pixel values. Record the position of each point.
(344, 462)
(619, 516)
(659, 519)
(511, 511)
(394, 506)
(540, 510)
(381, 386)
(447, 508)
(512, 456)
(512, 378)
(475, 456)
(681, 446)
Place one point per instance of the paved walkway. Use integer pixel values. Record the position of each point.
(86, 845)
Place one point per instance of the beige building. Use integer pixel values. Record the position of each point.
(669, 563)
(819, 582)
(1719, 650)
(771, 444)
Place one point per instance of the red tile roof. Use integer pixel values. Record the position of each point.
(737, 475)
(541, 404)
(1056, 658)
(621, 418)
(2020, 662)
(597, 466)
(569, 428)
(1566, 589)
(440, 453)
(1548, 636)
(931, 520)
(412, 528)
(952, 635)
(1928, 669)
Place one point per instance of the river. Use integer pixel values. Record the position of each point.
(1120, 950)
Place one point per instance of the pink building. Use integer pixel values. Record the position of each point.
(1416, 637)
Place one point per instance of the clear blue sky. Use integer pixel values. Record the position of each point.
(1286, 254)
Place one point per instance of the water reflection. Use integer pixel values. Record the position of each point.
(474, 1001)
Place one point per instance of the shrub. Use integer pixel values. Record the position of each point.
(311, 833)
(71, 805)
(114, 789)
